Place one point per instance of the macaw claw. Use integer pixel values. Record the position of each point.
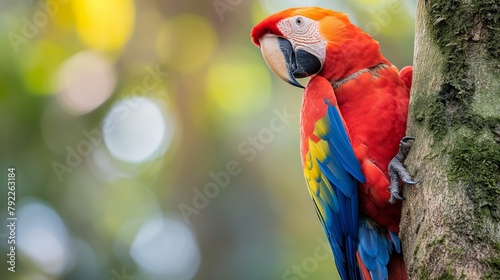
(395, 196)
(410, 182)
(406, 138)
(398, 171)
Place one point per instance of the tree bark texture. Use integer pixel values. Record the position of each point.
(450, 226)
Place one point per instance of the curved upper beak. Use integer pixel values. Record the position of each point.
(285, 62)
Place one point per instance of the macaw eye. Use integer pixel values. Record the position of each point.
(299, 21)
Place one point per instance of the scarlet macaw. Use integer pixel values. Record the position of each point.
(353, 122)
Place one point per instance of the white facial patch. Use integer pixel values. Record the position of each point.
(303, 34)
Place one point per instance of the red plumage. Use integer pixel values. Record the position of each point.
(363, 90)
(374, 107)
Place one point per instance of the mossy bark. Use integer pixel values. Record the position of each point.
(450, 226)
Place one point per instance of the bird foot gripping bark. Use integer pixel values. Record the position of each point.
(398, 171)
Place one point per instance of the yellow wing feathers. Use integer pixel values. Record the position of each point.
(318, 151)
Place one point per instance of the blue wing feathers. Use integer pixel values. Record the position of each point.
(328, 215)
(351, 249)
(330, 196)
(395, 241)
(336, 201)
(368, 241)
(369, 261)
(343, 144)
(380, 273)
(336, 120)
(384, 251)
(338, 176)
(375, 249)
(338, 197)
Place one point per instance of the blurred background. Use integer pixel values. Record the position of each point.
(150, 140)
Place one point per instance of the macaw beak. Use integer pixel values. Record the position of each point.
(287, 63)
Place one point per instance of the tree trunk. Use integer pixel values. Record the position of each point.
(450, 226)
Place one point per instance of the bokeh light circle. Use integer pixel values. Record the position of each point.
(86, 80)
(166, 247)
(137, 130)
(42, 237)
(104, 25)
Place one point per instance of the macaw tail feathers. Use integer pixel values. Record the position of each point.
(379, 253)
(397, 267)
(362, 268)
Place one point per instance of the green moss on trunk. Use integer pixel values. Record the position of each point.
(490, 17)
(424, 274)
(458, 105)
(456, 36)
(477, 163)
(451, 104)
(473, 161)
(494, 264)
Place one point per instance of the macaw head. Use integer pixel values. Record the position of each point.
(301, 42)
